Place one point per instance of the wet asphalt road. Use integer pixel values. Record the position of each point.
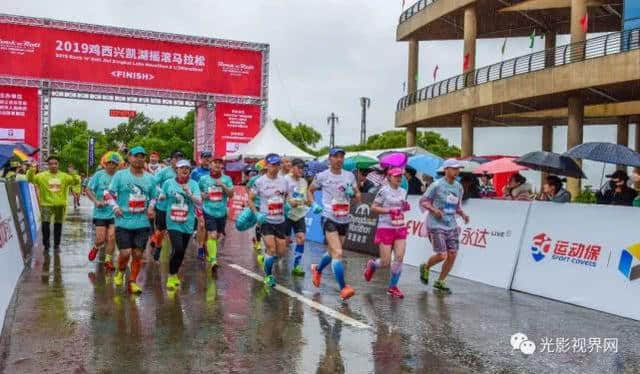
(69, 318)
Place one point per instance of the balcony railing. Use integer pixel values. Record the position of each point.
(605, 45)
(415, 8)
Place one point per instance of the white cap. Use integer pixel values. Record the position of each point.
(183, 163)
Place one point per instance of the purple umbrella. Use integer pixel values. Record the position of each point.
(393, 159)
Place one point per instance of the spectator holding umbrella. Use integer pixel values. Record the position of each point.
(553, 191)
(426, 180)
(415, 186)
(517, 188)
(617, 192)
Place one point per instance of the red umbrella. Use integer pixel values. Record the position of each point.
(500, 166)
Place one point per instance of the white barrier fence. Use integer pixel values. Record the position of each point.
(587, 255)
(11, 262)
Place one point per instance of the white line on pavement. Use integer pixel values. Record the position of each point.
(335, 314)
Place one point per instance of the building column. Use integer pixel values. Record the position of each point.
(623, 135)
(549, 44)
(578, 11)
(547, 146)
(575, 136)
(637, 149)
(467, 134)
(412, 84)
(469, 56)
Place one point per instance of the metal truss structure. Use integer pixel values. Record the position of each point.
(123, 94)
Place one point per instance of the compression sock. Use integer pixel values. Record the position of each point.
(268, 263)
(324, 262)
(338, 272)
(298, 254)
(212, 247)
(135, 268)
(396, 270)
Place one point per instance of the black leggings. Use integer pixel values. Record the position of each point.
(179, 244)
(46, 233)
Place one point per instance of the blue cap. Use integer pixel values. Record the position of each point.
(137, 150)
(273, 159)
(205, 154)
(335, 150)
(452, 163)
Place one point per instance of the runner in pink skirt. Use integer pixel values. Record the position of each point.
(390, 203)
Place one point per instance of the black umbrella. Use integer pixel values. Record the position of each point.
(551, 163)
(606, 152)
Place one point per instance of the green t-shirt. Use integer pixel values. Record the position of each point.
(159, 179)
(181, 211)
(215, 201)
(98, 183)
(133, 194)
(53, 189)
(76, 188)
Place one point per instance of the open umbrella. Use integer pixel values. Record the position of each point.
(393, 159)
(425, 164)
(552, 163)
(28, 149)
(609, 153)
(358, 162)
(315, 167)
(500, 166)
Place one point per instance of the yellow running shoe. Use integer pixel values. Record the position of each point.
(118, 279)
(134, 288)
(173, 282)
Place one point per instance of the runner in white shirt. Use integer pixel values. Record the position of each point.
(272, 191)
(338, 187)
(391, 204)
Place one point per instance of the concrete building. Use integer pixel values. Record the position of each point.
(594, 81)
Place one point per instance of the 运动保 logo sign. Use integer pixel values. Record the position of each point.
(627, 258)
(577, 253)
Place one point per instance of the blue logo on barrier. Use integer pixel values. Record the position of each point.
(541, 246)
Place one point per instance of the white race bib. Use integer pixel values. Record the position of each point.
(340, 208)
(137, 203)
(215, 193)
(275, 207)
(179, 213)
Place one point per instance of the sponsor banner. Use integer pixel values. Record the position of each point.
(489, 244)
(362, 229)
(19, 113)
(238, 202)
(314, 222)
(236, 124)
(203, 131)
(122, 113)
(28, 207)
(35, 207)
(588, 255)
(91, 154)
(11, 261)
(79, 56)
(20, 220)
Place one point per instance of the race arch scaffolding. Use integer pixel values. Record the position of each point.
(57, 88)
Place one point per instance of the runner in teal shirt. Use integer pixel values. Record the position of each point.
(133, 196)
(161, 206)
(183, 197)
(215, 199)
(98, 183)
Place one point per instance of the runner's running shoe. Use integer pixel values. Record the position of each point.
(316, 276)
(395, 292)
(173, 282)
(369, 270)
(347, 292)
(256, 245)
(108, 266)
(260, 259)
(441, 285)
(201, 254)
(269, 281)
(297, 271)
(424, 274)
(156, 252)
(118, 278)
(93, 253)
(134, 288)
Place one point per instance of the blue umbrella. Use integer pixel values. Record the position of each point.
(426, 164)
(609, 153)
(6, 152)
(315, 167)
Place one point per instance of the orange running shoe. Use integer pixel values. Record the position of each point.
(347, 292)
(93, 253)
(108, 266)
(316, 276)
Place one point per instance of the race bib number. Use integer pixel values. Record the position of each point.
(397, 219)
(215, 193)
(451, 204)
(340, 209)
(275, 207)
(179, 213)
(137, 203)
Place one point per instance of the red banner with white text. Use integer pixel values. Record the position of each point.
(235, 124)
(19, 115)
(78, 56)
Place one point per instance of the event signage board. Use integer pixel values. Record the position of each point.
(48, 52)
(122, 113)
(236, 124)
(588, 255)
(19, 114)
(20, 220)
(488, 244)
(11, 262)
(35, 207)
(28, 208)
(362, 229)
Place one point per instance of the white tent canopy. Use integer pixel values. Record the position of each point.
(270, 140)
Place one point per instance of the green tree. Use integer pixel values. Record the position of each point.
(165, 137)
(303, 136)
(137, 126)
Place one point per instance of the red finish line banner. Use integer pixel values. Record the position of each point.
(49, 53)
(235, 124)
(122, 113)
(19, 115)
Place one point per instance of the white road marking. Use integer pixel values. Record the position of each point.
(322, 308)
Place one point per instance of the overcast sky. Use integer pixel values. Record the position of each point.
(325, 54)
